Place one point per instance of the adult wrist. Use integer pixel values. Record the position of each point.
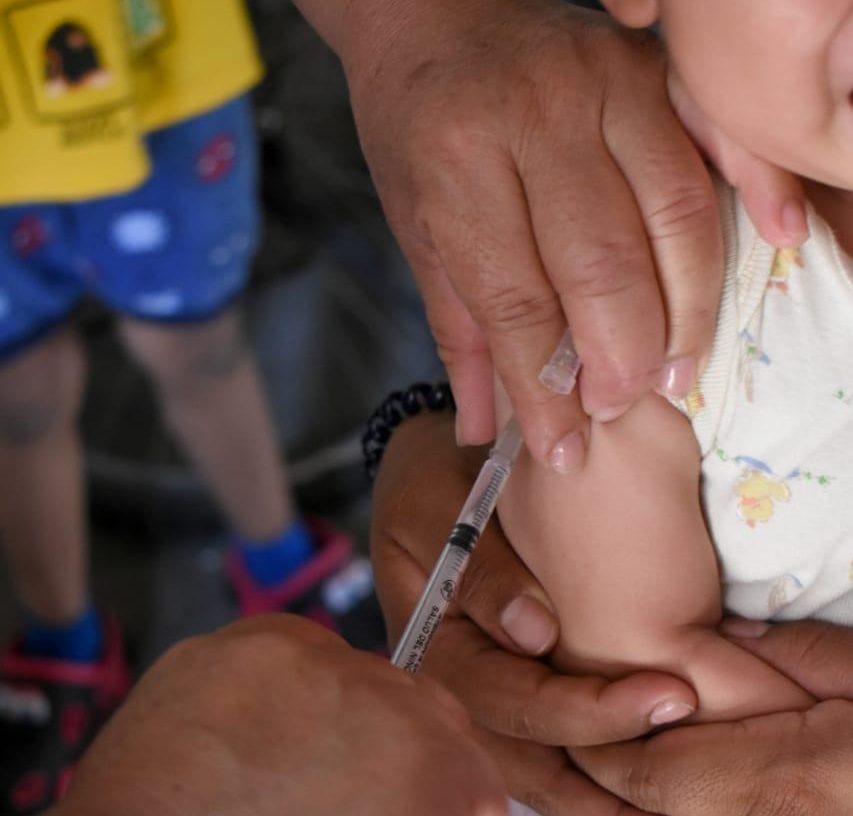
(397, 408)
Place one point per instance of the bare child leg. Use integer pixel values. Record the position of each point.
(623, 552)
(42, 523)
(211, 395)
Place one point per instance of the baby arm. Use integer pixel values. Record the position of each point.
(622, 549)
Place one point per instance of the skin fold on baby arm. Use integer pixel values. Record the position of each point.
(623, 551)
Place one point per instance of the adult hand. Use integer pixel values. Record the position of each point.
(276, 715)
(796, 764)
(483, 649)
(532, 168)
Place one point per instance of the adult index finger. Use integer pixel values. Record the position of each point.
(817, 655)
(461, 344)
(524, 698)
(680, 212)
(593, 244)
(479, 222)
(780, 763)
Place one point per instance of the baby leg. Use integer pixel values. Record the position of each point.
(42, 516)
(211, 394)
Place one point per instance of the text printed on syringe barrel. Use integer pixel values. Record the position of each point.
(445, 588)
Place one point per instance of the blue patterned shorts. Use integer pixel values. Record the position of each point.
(178, 248)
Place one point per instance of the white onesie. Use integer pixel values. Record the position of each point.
(773, 414)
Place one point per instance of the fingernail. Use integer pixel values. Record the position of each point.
(529, 625)
(744, 628)
(677, 378)
(794, 222)
(610, 412)
(670, 712)
(567, 455)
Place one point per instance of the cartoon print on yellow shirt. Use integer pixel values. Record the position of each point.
(72, 60)
(146, 22)
(83, 81)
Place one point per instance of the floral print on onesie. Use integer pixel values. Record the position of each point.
(775, 428)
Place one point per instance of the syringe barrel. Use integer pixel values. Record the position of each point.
(439, 592)
(484, 495)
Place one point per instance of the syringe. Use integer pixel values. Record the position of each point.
(559, 374)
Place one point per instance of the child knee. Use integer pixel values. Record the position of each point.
(40, 391)
(25, 419)
(184, 363)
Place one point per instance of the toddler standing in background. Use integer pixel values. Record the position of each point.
(127, 172)
(746, 480)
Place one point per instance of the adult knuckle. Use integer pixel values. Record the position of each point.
(695, 316)
(629, 369)
(457, 343)
(607, 268)
(541, 793)
(478, 796)
(490, 803)
(522, 721)
(694, 323)
(538, 800)
(686, 209)
(458, 134)
(627, 377)
(547, 99)
(510, 308)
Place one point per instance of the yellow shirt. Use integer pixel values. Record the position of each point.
(82, 80)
